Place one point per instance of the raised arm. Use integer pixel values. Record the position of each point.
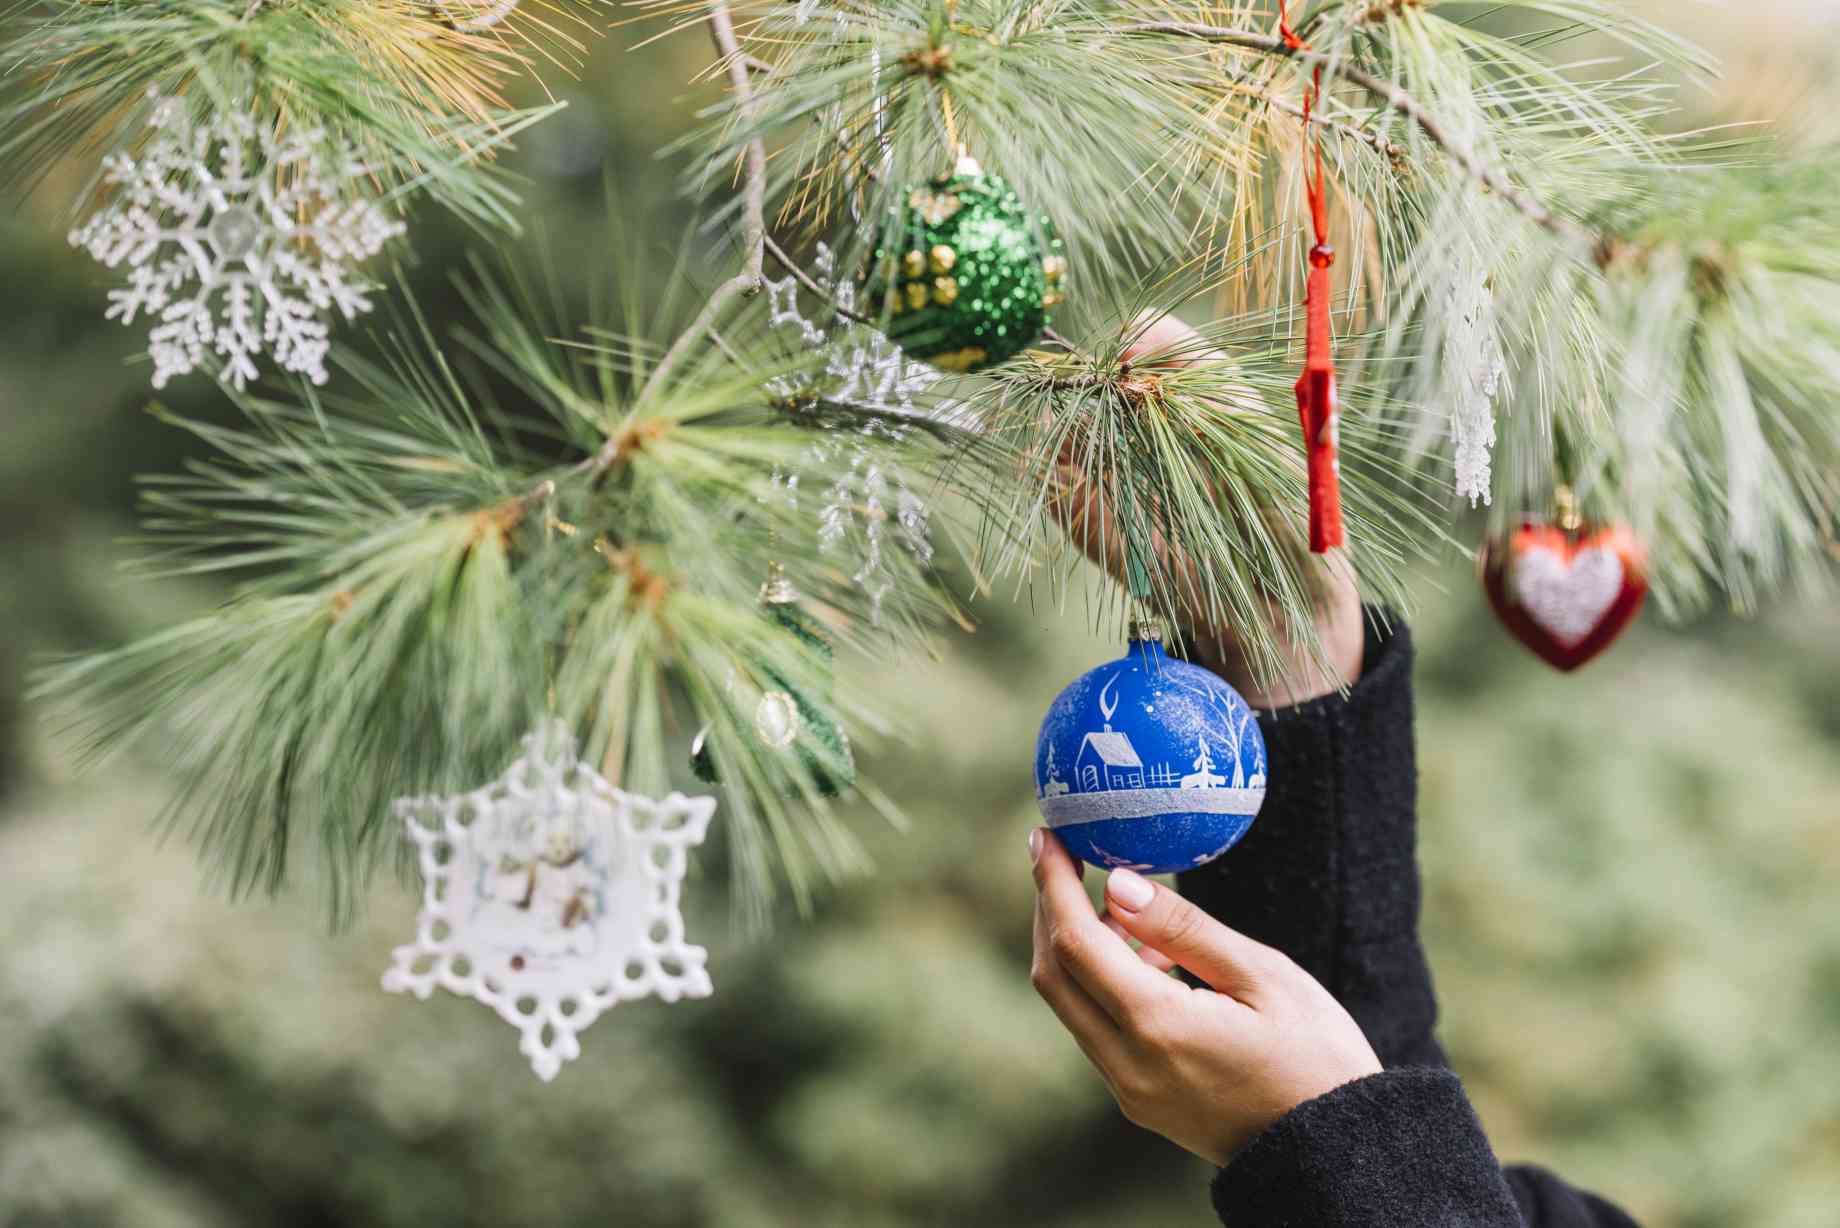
(1329, 876)
(1303, 1058)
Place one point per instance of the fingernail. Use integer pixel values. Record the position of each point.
(1129, 889)
(1035, 844)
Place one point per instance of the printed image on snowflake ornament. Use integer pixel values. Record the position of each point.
(238, 240)
(551, 896)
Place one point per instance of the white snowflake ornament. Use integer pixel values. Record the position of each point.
(552, 896)
(239, 241)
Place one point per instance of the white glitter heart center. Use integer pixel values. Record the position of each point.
(1567, 600)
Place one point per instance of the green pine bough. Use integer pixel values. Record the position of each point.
(1540, 286)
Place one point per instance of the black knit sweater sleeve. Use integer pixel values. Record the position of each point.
(1329, 875)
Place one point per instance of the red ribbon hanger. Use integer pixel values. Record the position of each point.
(1316, 395)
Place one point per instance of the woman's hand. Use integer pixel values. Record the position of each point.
(1208, 1069)
(1082, 509)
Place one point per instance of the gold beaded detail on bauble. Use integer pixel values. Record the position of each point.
(960, 360)
(934, 207)
(965, 270)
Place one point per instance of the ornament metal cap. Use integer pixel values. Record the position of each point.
(777, 590)
(1565, 502)
(1146, 630)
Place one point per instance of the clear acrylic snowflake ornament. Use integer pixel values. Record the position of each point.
(551, 896)
(865, 369)
(239, 240)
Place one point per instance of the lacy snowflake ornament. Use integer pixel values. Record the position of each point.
(238, 240)
(551, 896)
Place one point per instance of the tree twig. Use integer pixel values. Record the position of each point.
(1398, 100)
(811, 283)
(1366, 136)
(753, 219)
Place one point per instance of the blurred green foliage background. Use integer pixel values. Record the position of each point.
(1629, 877)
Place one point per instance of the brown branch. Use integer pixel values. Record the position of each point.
(1392, 153)
(753, 218)
(811, 283)
(1398, 100)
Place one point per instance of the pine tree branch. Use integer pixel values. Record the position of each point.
(753, 219)
(1398, 100)
(1366, 136)
(805, 279)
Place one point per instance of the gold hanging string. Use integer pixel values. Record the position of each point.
(954, 146)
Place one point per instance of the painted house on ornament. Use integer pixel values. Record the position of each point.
(1107, 761)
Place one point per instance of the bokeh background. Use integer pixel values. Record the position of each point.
(1630, 878)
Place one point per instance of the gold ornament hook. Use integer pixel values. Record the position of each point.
(1565, 502)
(777, 590)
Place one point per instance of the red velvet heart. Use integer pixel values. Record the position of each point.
(1567, 596)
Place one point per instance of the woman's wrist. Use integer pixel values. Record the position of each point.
(1304, 673)
(1328, 873)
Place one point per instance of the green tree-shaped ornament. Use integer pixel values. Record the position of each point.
(788, 717)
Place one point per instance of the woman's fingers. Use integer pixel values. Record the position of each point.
(1225, 959)
(1079, 507)
(1092, 1029)
(1080, 504)
(1166, 339)
(1096, 959)
(1150, 955)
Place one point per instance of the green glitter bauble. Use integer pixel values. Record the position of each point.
(974, 273)
(785, 718)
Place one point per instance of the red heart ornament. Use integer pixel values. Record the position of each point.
(1565, 595)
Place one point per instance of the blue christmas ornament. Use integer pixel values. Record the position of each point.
(1149, 762)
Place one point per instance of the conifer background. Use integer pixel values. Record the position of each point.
(1658, 832)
